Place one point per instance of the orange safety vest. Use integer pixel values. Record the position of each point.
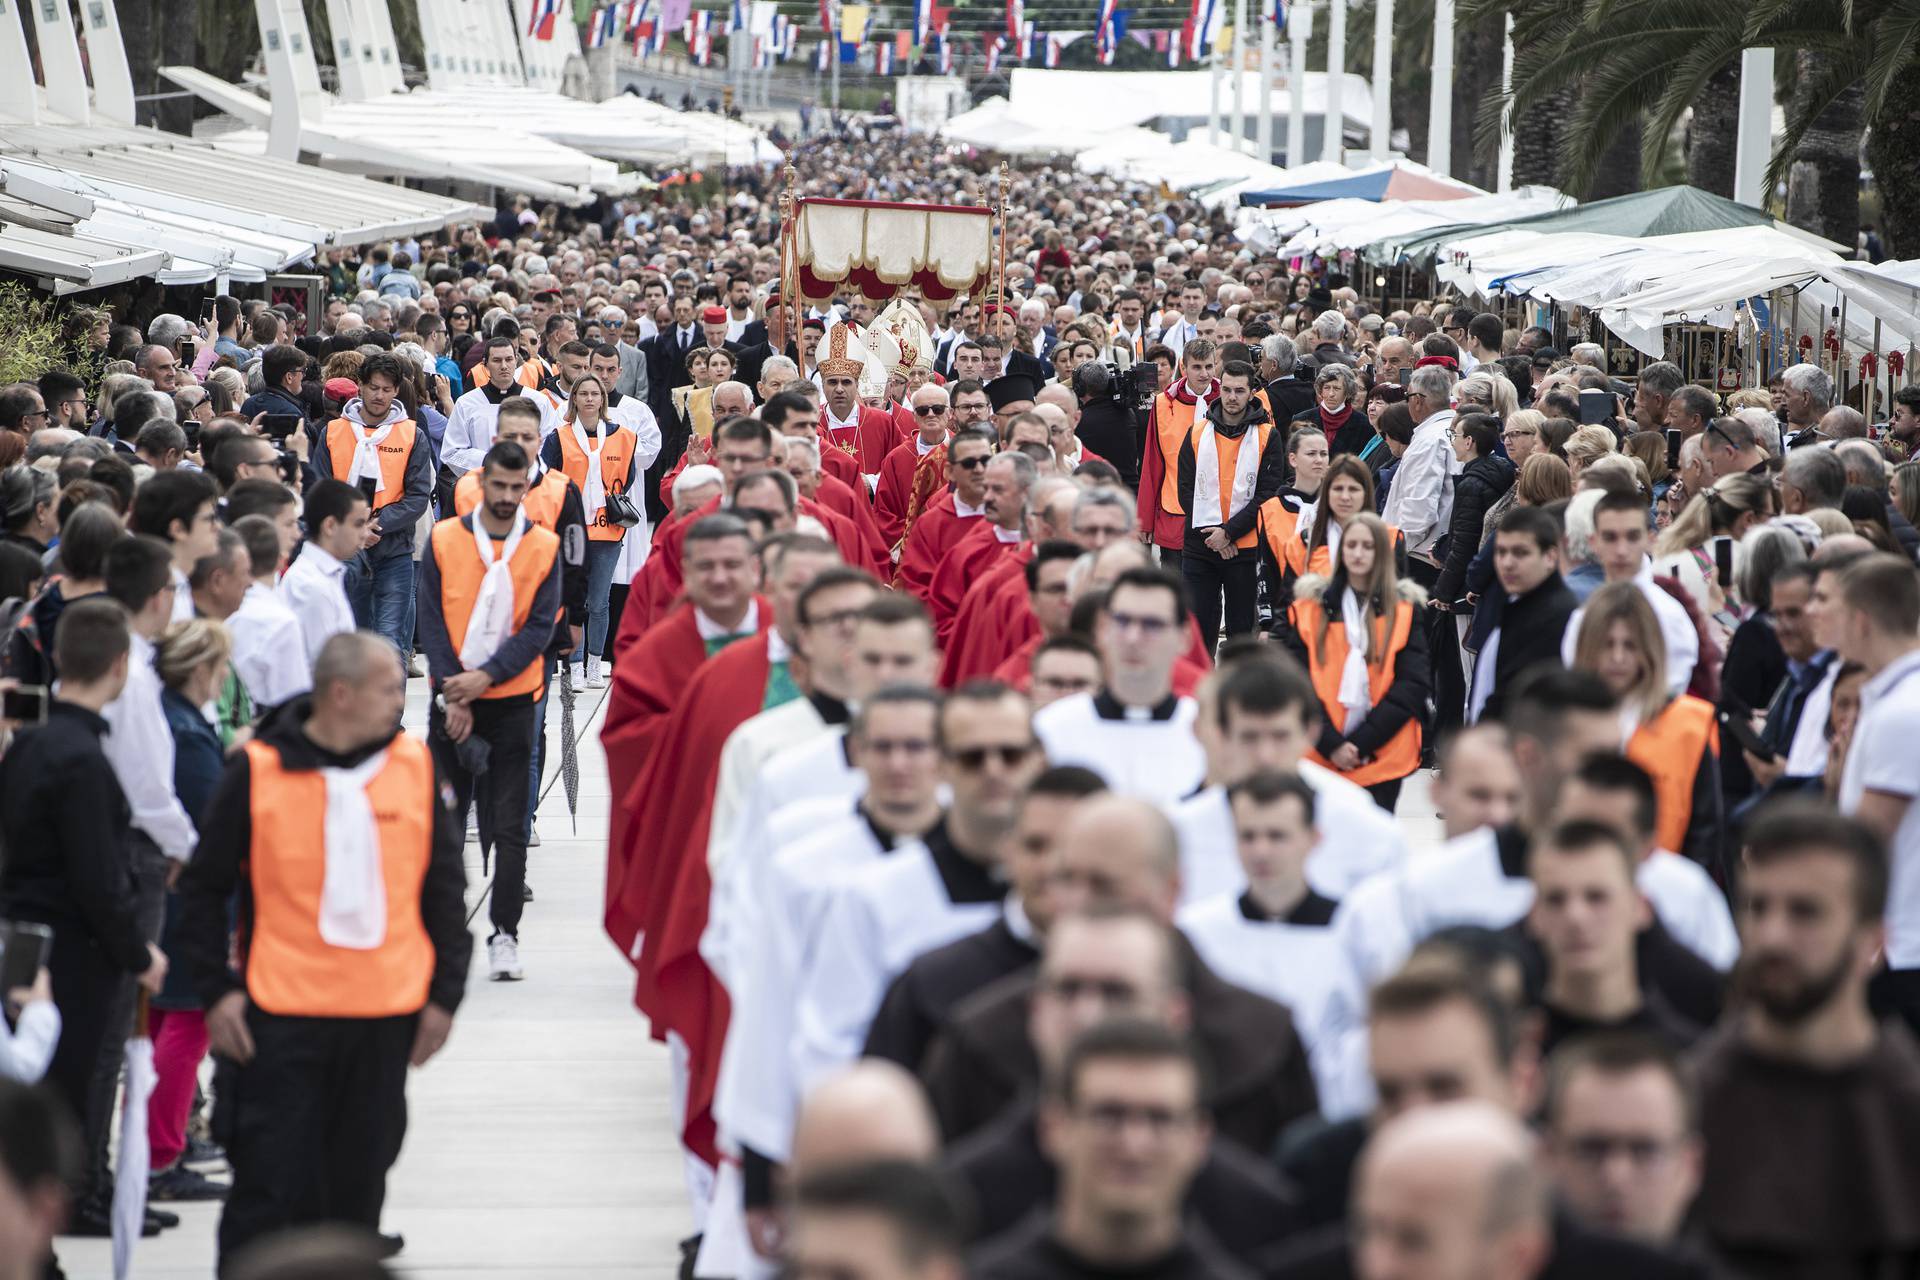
(529, 375)
(542, 503)
(1280, 526)
(343, 436)
(1227, 450)
(1172, 420)
(1400, 755)
(291, 970)
(1669, 748)
(1321, 559)
(460, 576)
(616, 452)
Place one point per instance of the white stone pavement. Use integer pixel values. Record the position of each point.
(539, 1144)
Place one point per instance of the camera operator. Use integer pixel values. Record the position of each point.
(1110, 426)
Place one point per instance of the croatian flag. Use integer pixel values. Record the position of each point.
(737, 19)
(820, 56)
(1104, 35)
(883, 60)
(1053, 51)
(922, 21)
(993, 54)
(826, 16)
(1016, 18)
(1279, 14)
(600, 29)
(1028, 31)
(946, 56)
(545, 14)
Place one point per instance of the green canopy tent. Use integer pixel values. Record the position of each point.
(1663, 211)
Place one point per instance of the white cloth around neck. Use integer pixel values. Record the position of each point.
(1209, 508)
(1356, 693)
(492, 619)
(353, 896)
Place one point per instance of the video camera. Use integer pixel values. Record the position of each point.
(1134, 387)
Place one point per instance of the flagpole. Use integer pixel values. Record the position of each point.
(1299, 28)
(1266, 86)
(1333, 121)
(1239, 76)
(1382, 79)
(833, 61)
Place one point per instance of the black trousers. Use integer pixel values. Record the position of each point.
(86, 984)
(1443, 658)
(1208, 579)
(312, 1124)
(506, 726)
(150, 907)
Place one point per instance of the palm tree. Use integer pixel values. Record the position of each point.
(1659, 58)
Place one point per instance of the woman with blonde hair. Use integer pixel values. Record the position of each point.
(1904, 485)
(1359, 634)
(602, 458)
(1345, 492)
(1685, 551)
(1587, 445)
(1675, 739)
(1488, 391)
(192, 661)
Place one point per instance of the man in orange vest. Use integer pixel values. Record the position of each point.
(553, 502)
(374, 444)
(1228, 465)
(1169, 423)
(490, 598)
(341, 838)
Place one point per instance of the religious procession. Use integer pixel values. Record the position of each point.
(1007, 641)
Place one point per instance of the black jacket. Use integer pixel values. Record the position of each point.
(1476, 488)
(64, 821)
(1118, 434)
(1268, 480)
(1234, 1195)
(1288, 396)
(919, 1001)
(1351, 436)
(983, 1061)
(1530, 630)
(1404, 699)
(220, 868)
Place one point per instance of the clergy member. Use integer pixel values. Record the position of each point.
(947, 517)
(1001, 533)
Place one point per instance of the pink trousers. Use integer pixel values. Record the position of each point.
(179, 1043)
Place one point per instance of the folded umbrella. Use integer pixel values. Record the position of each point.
(130, 1177)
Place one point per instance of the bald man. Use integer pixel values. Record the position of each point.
(1120, 852)
(1451, 1192)
(1059, 408)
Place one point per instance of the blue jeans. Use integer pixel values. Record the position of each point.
(601, 558)
(381, 593)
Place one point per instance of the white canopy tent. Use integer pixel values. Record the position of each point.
(1110, 99)
(1330, 226)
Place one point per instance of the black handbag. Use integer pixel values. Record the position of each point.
(619, 509)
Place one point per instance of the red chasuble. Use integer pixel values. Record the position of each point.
(891, 495)
(667, 886)
(842, 466)
(989, 626)
(939, 528)
(648, 683)
(976, 554)
(869, 439)
(851, 502)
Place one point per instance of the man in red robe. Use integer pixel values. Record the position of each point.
(947, 517)
(648, 684)
(1000, 533)
(994, 618)
(932, 417)
(671, 806)
(795, 413)
(867, 433)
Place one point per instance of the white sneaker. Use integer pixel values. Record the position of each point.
(595, 678)
(533, 837)
(576, 676)
(503, 959)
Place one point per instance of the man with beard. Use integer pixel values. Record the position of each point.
(1809, 1107)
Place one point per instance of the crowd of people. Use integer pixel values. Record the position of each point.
(1179, 767)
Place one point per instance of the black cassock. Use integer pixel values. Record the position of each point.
(919, 1001)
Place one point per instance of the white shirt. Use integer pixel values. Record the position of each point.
(1421, 500)
(1358, 839)
(315, 589)
(1149, 752)
(471, 427)
(264, 632)
(182, 598)
(139, 746)
(1881, 759)
(1683, 642)
(1807, 753)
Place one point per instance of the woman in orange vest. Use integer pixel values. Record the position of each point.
(1358, 634)
(1676, 740)
(1282, 554)
(1346, 492)
(598, 456)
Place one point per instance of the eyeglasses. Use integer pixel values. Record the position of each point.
(1150, 627)
(1520, 434)
(839, 618)
(974, 759)
(973, 464)
(929, 410)
(1715, 429)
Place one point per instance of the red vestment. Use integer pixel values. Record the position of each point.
(667, 886)
(975, 555)
(994, 619)
(896, 483)
(869, 438)
(648, 683)
(933, 535)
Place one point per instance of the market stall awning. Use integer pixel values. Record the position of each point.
(1661, 212)
(1400, 181)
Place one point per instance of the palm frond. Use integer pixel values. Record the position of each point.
(1896, 34)
(1840, 75)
